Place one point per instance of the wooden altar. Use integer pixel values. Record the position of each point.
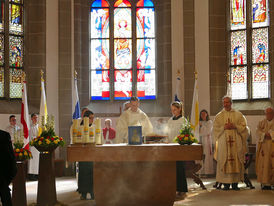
(128, 175)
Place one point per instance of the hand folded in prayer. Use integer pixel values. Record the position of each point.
(229, 125)
(267, 136)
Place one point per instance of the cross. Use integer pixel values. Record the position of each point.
(230, 141)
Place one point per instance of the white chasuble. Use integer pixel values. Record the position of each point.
(231, 146)
(130, 118)
(265, 153)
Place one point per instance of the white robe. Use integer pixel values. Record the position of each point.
(173, 127)
(34, 162)
(12, 129)
(206, 139)
(230, 168)
(265, 153)
(130, 118)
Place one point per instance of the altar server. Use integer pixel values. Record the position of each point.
(85, 177)
(174, 125)
(13, 127)
(230, 131)
(206, 140)
(34, 162)
(265, 150)
(132, 117)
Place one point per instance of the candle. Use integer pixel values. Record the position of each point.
(86, 130)
(74, 130)
(91, 135)
(98, 137)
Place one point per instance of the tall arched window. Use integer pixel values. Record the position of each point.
(122, 50)
(11, 48)
(249, 55)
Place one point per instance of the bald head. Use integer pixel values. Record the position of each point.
(269, 113)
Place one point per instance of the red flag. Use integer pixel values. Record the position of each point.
(25, 116)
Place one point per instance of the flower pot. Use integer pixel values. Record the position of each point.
(46, 149)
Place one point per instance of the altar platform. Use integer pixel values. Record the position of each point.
(134, 175)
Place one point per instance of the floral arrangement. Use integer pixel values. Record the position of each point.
(47, 139)
(20, 153)
(186, 136)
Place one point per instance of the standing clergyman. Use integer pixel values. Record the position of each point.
(132, 117)
(230, 133)
(265, 150)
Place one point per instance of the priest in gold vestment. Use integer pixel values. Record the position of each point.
(132, 117)
(265, 150)
(230, 133)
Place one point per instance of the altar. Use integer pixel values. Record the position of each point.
(128, 175)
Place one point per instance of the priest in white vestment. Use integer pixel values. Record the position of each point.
(34, 162)
(132, 117)
(230, 131)
(265, 150)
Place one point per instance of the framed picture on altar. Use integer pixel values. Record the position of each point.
(135, 135)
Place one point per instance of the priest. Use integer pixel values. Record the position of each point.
(132, 117)
(230, 131)
(265, 150)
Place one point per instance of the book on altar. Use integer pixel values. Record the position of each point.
(135, 135)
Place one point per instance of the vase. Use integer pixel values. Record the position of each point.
(185, 143)
(46, 149)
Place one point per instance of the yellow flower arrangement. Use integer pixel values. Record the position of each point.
(186, 136)
(47, 139)
(20, 153)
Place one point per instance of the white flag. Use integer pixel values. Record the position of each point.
(43, 104)
(195, 111)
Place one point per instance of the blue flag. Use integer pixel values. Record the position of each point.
(76, 102)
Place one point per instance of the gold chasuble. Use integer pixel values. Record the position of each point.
(232, 161)
(230, 154)
(265, 153)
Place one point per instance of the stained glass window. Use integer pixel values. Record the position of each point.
(99, 46)
(2, 82)
(249, 73)
(1, 49)
(16, 48)
(145, 27)
(260, 45)
(260, 13)
(239, 82)
(16, 19)
(122, 50)
(16, 83)
(122, 84)
(238, 47)
(237, 14)
(125, 67)
(16, 51)
(146, 84)
(260, 81)
(2, 16)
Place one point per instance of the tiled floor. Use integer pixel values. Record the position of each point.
(66, 194)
